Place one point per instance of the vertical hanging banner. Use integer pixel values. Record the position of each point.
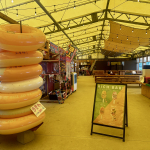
(110, 107)
(54, 48)
(71, 52)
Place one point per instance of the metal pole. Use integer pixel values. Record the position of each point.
(20, 27)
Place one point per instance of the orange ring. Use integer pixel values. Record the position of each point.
(20, 73)
(16, 125)
(9, 59)
(29, 40)
(18, 100)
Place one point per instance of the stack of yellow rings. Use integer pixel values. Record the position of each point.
(19, 76)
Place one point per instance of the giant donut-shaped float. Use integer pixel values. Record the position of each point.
(21, 86)
(16, 125)
(29, 40)
(18, 100)
(20, 73)
(19, 77)
(9, 59)
(15, 113)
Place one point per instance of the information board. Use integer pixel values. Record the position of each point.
(110, 106)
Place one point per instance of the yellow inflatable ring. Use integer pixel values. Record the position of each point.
(16, 125)
(29, 40)
(9, 59)
(17, 100)
(20, 73)
(21, 86)
(15, 113)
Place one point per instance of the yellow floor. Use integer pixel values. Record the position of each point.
(67, 126)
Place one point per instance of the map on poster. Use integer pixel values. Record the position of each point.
(109, 105)
(38, 109)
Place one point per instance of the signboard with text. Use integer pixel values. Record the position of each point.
(38, 109)
(110, 105)
(71, 52)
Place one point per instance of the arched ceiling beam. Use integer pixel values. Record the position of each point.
(17, 5)
(77, 4)
(73, 22)
(8, 19)
(55, 22)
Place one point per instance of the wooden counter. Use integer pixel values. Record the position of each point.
(145, 90)
(125, 79)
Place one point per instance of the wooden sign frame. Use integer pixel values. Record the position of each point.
(124, 110)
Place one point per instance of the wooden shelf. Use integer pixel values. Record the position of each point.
(50, 61)
(53, 53)
(49, 74)
(44, 49)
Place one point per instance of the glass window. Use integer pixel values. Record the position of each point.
(140, 59)
(137, 66)
(148, 58)
(137, 60)
(140, 66)
(147, 63)
(144, 59)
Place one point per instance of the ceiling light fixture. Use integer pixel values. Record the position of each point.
(54, 8)
(17, 12)
(117, 35)
(132, 30)
(127, 37)
(114, 14)
(120, 27)
(146, 31)
(74, 5)
(12, 1)
(35, 11)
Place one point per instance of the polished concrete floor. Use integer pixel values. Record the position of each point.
(67, 126)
